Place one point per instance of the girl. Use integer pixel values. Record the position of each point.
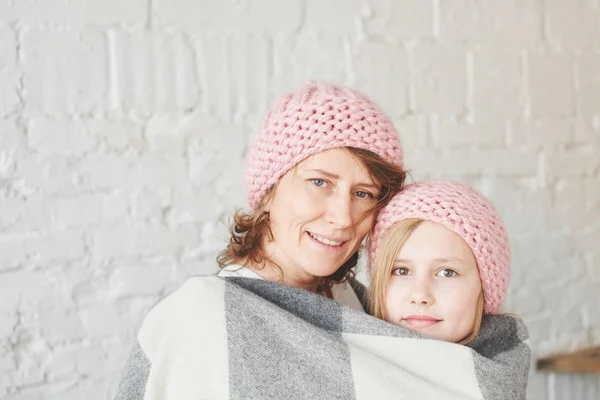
(439, 261)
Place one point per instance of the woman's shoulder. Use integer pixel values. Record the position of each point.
(202, 287)
(198, 293)
(193, 289)
(238, 271)
(188, 306)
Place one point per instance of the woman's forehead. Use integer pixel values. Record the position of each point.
(339, 162)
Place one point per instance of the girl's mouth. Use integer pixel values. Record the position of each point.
(421, 321)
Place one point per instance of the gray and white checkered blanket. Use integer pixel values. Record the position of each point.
(240, 338)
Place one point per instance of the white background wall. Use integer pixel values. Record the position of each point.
(124, 125)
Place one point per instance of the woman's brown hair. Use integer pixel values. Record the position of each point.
(249, 229)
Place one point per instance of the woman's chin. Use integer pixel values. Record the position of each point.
(322, 271)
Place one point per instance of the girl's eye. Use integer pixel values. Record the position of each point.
(447, 273)
(402, 271)
(318, 182)
(364, 195)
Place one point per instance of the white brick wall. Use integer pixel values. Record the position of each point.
(64, 71)
(123, 128)
(9, 98)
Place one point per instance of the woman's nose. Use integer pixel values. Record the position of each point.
(339, 211)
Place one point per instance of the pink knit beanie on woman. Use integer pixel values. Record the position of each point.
(465, 212)
(317, 117)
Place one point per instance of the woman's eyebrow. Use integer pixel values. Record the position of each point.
(323, 172)
(334, 176)
(369, 186)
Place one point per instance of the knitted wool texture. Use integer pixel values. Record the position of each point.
(317, 117)
(465, 212)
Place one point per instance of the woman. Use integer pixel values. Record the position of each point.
(326, 160)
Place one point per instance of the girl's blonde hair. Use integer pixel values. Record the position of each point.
(391, 244)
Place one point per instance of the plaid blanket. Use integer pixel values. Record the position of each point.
(240, 338)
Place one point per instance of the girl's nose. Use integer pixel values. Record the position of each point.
(421, 291)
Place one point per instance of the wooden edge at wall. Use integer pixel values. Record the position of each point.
(583, 361)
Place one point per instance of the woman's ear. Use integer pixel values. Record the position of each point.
(267, 200)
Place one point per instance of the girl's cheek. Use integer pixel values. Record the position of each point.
(395, 294)
(465, 299)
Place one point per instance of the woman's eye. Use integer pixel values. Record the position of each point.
(364, 195)
(318, 182)
(402, 271)
(447, 273)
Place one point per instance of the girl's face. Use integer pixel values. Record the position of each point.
(434, 285)
(315, 214)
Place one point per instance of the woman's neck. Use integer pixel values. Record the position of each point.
(273, 272)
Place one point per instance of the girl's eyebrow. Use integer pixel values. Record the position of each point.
(336, 177)
(451, 260)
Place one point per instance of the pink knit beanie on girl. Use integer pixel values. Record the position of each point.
(317, 117)
(465, 212)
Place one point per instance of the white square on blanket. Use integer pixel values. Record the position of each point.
(402, 368)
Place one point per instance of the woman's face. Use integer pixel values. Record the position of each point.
(435, 285)
(315, 214)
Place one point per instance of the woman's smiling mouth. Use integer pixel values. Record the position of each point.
(326, 241)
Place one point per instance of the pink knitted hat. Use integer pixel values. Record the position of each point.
(465, 212)
(317, 117)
